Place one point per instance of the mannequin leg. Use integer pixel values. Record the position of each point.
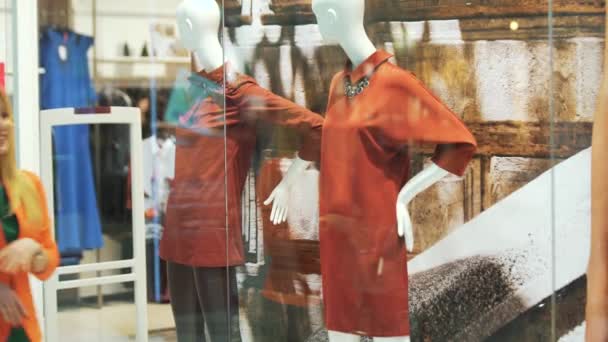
(186, 308)
(335, 336)
(392, 339)
(218, 294)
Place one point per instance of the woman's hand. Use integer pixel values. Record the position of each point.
(11, 309)
(18, 256)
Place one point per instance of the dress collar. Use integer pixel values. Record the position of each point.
(367, 67)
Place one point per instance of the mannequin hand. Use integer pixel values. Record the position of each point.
(18, 255)
(11, 309)
(279, 199)
(404, 225)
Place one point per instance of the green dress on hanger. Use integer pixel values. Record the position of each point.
(11, 232)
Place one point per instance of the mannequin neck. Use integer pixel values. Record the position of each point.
(210, 54)
(357, 46)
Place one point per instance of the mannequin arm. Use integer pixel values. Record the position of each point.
(280, 195)
(412, 188)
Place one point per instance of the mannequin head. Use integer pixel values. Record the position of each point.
(338, 18)
(341, 21)
(197, 20)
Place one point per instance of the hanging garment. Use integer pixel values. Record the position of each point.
(203, 224)
(66, 83)
(365, 158)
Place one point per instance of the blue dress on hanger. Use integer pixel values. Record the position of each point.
(66, 83)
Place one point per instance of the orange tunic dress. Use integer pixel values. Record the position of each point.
(365, 158)
(203, 219)
(20, 282)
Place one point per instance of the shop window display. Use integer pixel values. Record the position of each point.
(320, 170)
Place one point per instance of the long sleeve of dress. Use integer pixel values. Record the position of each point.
(420, 118)
(261, 104)
(45, 236)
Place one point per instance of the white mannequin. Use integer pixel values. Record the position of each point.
(198, 22)
(341, 22)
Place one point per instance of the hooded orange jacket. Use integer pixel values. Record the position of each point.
(20, 282)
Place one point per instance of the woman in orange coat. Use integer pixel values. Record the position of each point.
(26, 243)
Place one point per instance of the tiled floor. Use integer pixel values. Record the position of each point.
(114, 322)
(117, 322)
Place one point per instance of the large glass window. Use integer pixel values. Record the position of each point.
(313, 170)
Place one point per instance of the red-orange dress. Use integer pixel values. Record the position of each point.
(364, 164)
(203, 220)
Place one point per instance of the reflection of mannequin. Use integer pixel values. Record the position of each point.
(202, 240)
(364, 269)
(201, 297)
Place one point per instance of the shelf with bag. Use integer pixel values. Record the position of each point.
(132, 70)
(145, 60)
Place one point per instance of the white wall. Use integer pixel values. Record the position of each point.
(120, 21)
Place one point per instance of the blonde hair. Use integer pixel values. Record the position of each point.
(22, 187)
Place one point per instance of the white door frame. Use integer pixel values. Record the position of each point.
(25, 77)
(137, 265)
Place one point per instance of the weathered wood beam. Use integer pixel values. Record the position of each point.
(397, 10)
(529, 139)
(532, 139)
(584, 13)
(231, 7)
(233, 13)
(564, 26)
